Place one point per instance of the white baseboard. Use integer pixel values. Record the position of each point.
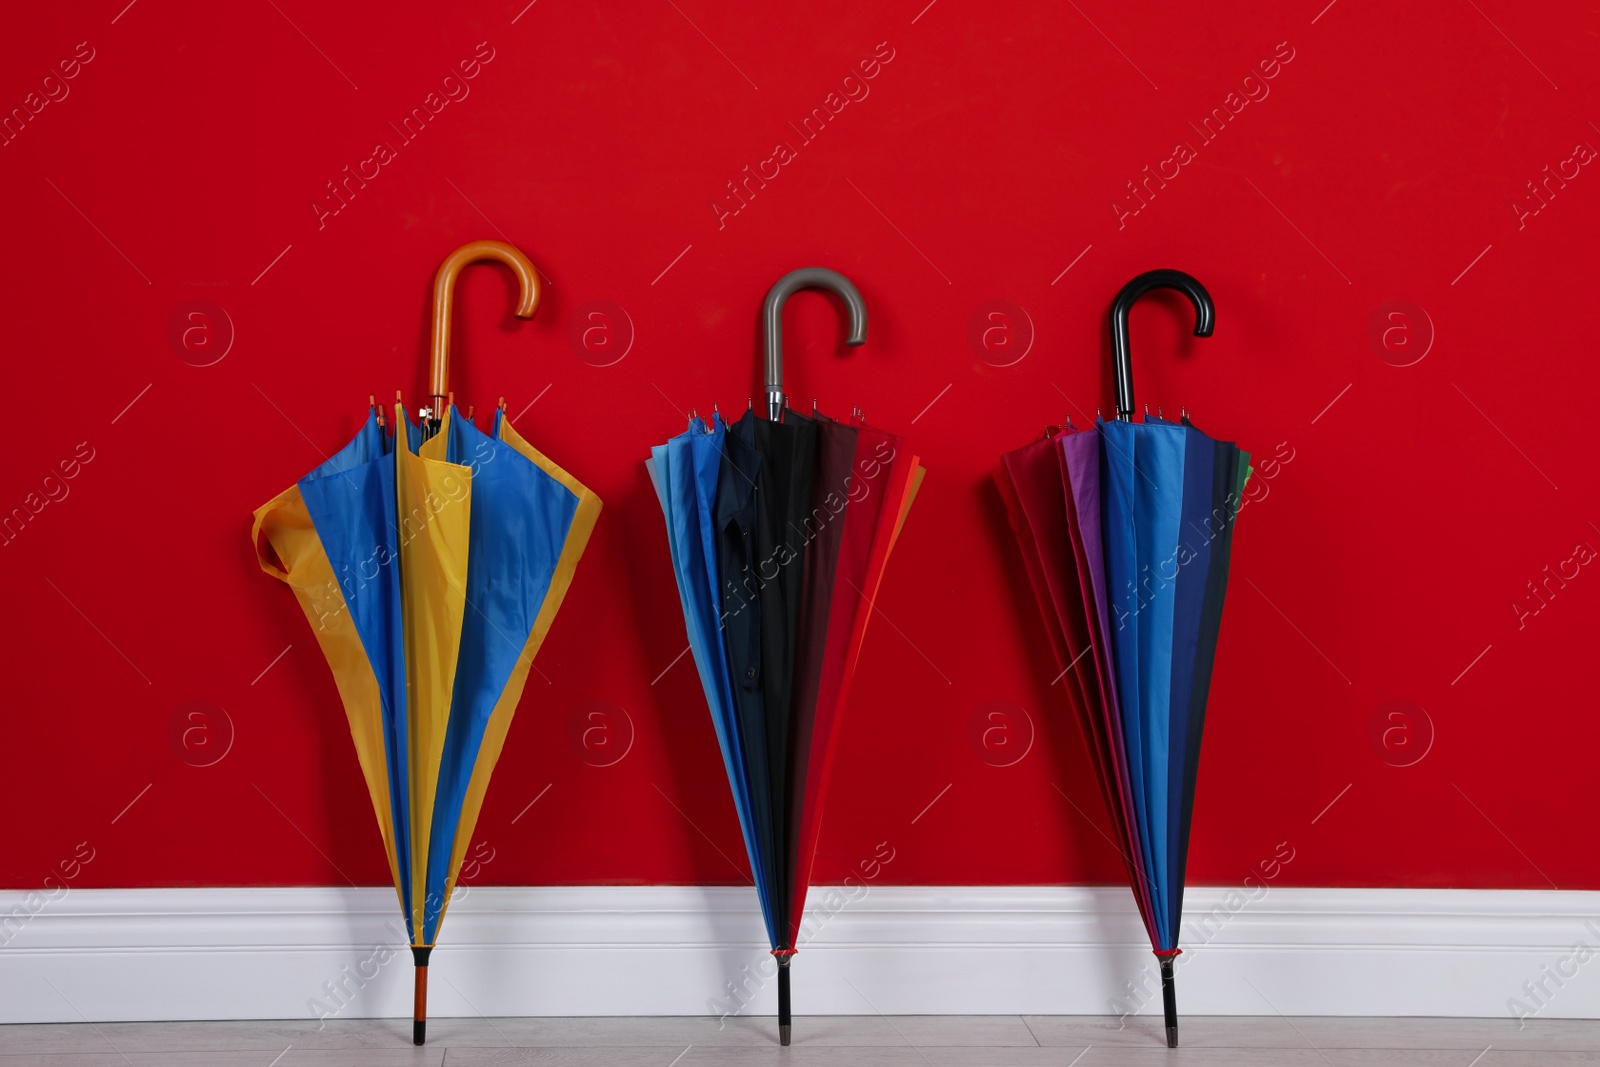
(132, 954)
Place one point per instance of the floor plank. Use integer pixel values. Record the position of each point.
(1472, 1035)
(826, 1041)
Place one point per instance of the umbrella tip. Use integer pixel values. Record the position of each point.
(1169, 1000)
(785, 1014)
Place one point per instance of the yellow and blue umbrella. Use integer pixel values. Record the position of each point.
(430, 565)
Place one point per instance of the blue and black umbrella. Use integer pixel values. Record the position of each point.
(780, 529)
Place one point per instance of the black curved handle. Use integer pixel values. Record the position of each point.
(772, 319)
(1205, 315)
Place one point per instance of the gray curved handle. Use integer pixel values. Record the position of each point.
(772, 321)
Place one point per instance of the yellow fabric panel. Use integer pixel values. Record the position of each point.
(289, 530)
(494, 734)
(434, 502)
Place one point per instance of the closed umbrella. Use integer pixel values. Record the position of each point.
(430, 566)
(845, 537)
(789, 552)
(1127, 533)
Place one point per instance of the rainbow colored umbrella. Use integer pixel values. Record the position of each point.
(430, 565)
(1127, 532)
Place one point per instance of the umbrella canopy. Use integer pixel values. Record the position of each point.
(430, 566)
(764, 493)
(685, 472)
(1054, 508)
(1126, 532)
(780, 529)
(879, 486)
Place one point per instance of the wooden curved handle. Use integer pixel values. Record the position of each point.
(444, 288)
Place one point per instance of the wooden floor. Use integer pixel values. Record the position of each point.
(855, 1041)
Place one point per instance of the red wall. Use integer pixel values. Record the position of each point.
(1382, 161)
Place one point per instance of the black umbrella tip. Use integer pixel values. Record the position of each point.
(1169, 1001)
(785, 1016)
(419, 1032)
